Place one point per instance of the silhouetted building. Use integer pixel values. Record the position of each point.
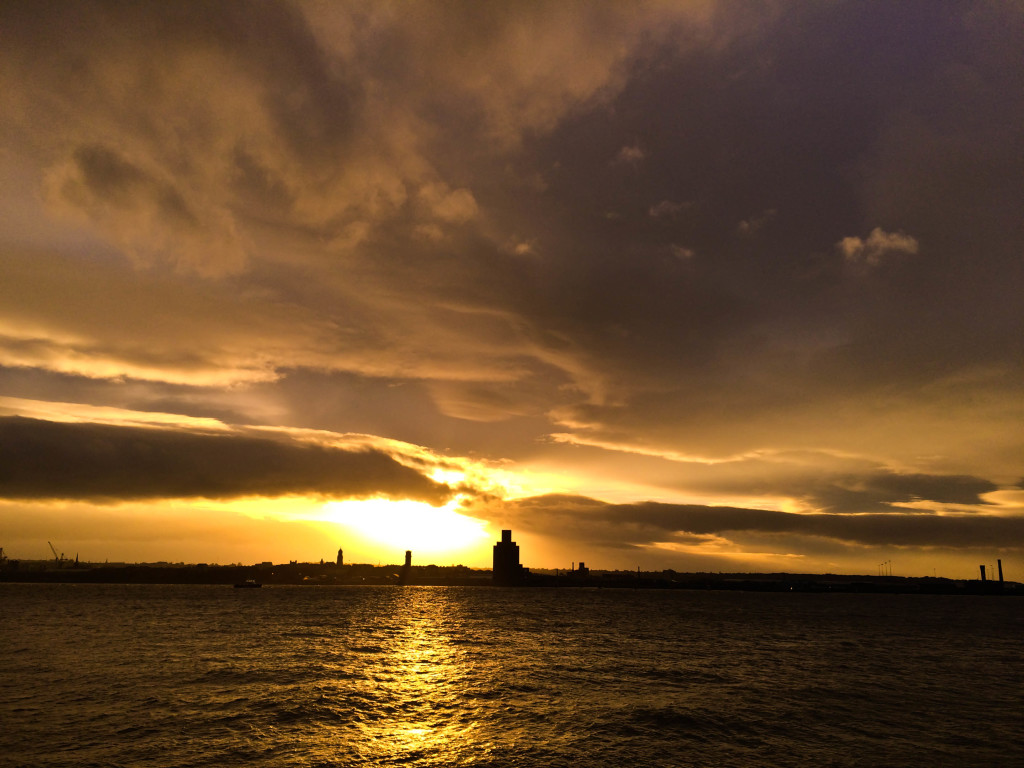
(341, 558)
(582, 570)
(403, 577)
(507, 569)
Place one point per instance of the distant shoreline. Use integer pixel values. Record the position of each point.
(329, 574)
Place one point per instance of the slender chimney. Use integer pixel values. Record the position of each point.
(983, 573)
(999, 563)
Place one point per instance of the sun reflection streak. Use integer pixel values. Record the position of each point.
(418, 673)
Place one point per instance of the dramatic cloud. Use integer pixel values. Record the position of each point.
(882, 491)
(588, 521)
(46, 460)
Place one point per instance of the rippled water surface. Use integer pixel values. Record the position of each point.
(118, 675)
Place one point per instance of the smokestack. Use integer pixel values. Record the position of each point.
(999, 563)
(983, 573)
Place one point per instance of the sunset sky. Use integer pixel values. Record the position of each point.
(711, 286)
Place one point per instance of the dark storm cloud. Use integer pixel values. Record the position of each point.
(704, 273)
(48, 460)
(594, 522)
(792, 121)
(881, 491)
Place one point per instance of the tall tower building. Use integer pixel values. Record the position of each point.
(403, 577)
(507, 569)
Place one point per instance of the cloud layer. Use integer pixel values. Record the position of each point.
(718, 252)
(47, 460)
(591, 522)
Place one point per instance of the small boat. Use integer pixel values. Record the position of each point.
(248, 584)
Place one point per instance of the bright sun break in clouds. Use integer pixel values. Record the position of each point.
(409, 525)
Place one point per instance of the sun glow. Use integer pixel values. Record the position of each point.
(410, 524)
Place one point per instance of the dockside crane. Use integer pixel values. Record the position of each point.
(59, 559)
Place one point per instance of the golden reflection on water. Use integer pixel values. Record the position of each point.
(415, 681)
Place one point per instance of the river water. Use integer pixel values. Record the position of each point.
(123, 675)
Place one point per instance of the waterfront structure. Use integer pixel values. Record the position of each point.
(507, 570)
(403, 577)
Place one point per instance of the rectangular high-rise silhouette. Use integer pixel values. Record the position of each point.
(507, 569)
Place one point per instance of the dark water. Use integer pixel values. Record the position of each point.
(112, 675)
